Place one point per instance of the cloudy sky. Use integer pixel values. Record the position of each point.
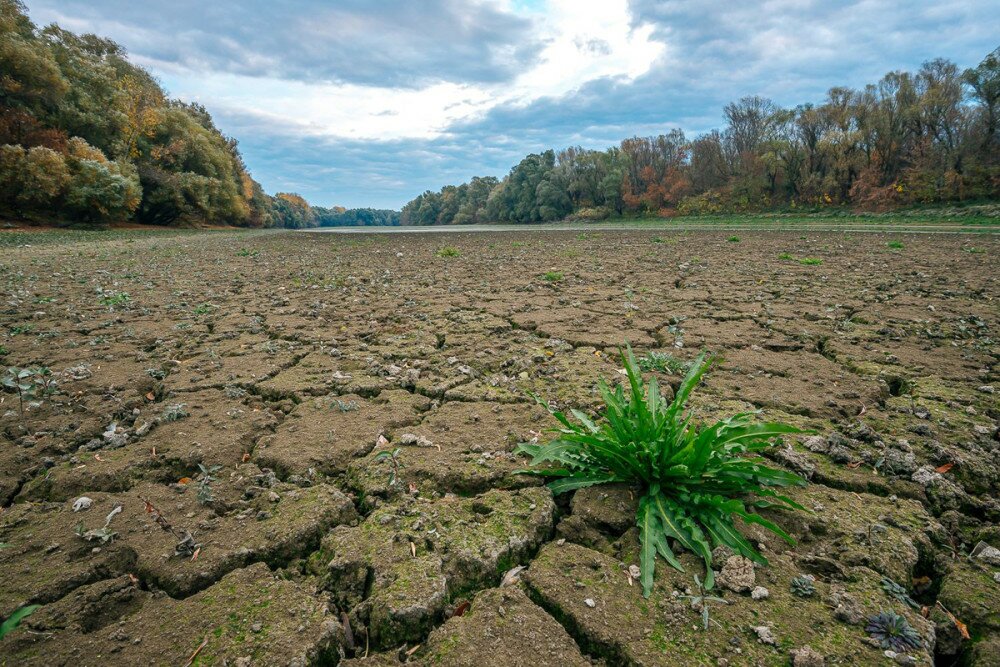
(370, 102)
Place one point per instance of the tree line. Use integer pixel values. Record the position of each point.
(909, 139)
(87, 136)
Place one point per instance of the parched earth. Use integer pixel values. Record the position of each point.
(294, 449)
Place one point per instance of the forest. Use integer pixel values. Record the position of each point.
(910, 139)
(88, 137)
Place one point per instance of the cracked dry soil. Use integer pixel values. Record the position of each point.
(235, 404)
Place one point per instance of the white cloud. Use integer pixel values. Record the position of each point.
(584, 40)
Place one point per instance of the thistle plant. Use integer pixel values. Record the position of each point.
(691, 477)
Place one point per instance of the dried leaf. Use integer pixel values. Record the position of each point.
(194, 556)
(150, 396)
(461, 609)
(963, 629)
(854, 465)
(413, 549)
(412, 650)
(944, 468)
(246, 457)
(184, 480)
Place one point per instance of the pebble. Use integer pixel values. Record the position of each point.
(82, 503)
(760, 593)
(590, 603)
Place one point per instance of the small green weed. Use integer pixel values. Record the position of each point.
(691, 477)
(447, 251)
(895, 245)
(733, 239)
(393, 459)
(246, 252)
(113, 299)
(810, 261)
(663, 362)
(553, 276)
(785, 255)
(35, 382)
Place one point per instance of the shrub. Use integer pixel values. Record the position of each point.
(690, 476)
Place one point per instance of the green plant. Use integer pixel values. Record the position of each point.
(15, 619)
(892, 631)
(690, 475)
(733, 239)
(29, 382)
(175, 412)
(895, 245)
(803, 586)
(113, 299)
(18, 329)
(785, 255)
(203, 309)
(663, 362)
(702, 600)
(205, 479)
(393, 458)
(553, 276)
(810, 261)
(894, 590)
(246, 252)
(447, 251)
(974, 250)
(4, 351)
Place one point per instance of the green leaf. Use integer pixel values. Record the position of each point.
(15, 619)
(572, 483)
(648, 527)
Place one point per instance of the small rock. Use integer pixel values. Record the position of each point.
(82, 503)
(926, 476)
(257, 627)
(590, 603)
(760, 593)
(817, 443)
(737, 574)
(764, 635)
(807, 657)
(987, 553)
(987, 389)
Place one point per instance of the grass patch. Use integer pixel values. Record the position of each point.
(895, 245)
(553, 276)
(447, 251)
(811, 261)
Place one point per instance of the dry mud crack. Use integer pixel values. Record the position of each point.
(240, 410)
